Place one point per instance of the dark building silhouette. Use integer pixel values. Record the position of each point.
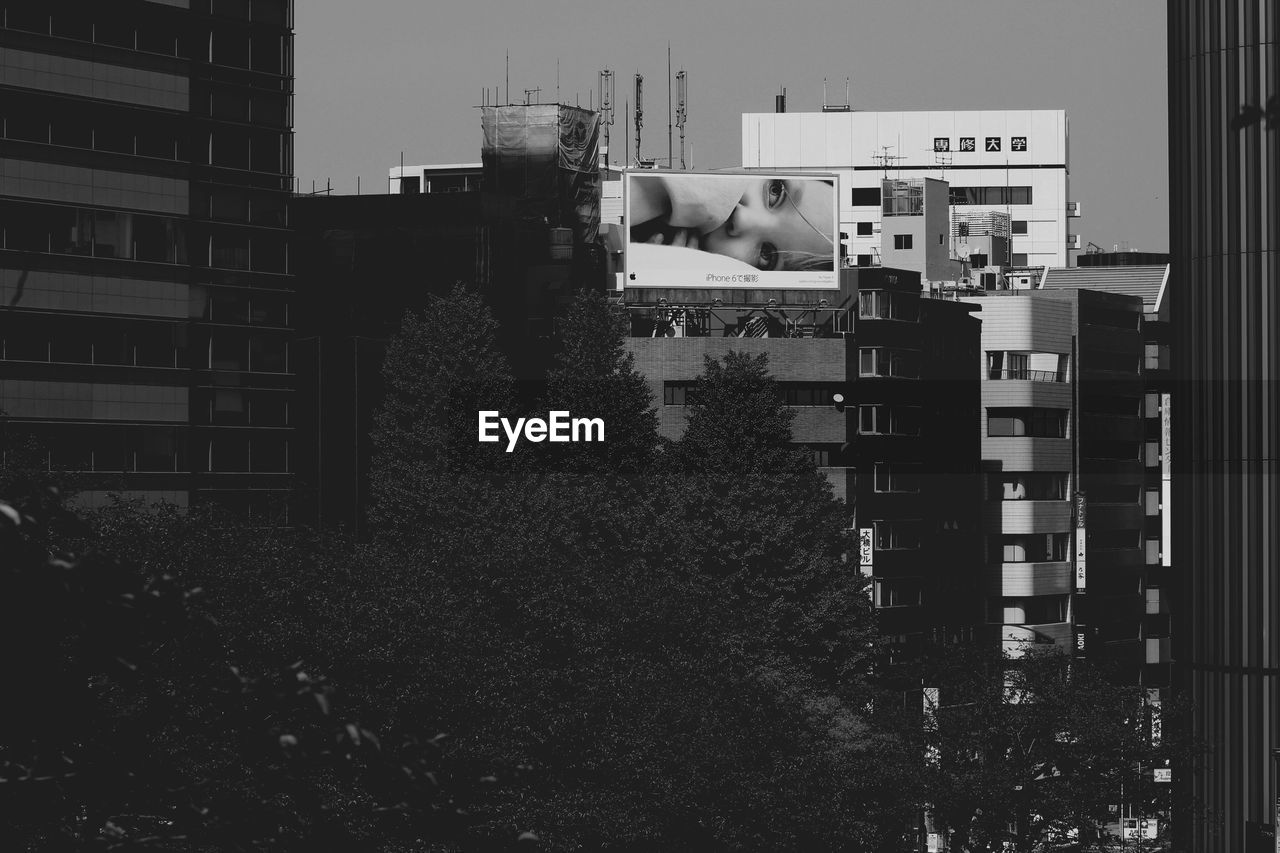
(145, 174)
(1224, 234)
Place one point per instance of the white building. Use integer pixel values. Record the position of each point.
(1009, 161)
(435, 178)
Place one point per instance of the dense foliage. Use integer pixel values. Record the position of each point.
(646, 645)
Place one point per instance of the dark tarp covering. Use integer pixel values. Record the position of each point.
(545, 155)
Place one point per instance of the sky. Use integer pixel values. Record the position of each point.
(379, 78)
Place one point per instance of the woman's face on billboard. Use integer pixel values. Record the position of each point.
(775, 225)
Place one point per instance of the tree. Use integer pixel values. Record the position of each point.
(632, 704)
(748, 508)
(594, 376)
(1042, 743)
(441, 368)
(132, 727)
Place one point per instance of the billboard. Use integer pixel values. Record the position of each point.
(731, 230)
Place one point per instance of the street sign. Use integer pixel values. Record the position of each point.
(1163, 774)
(1145, 828)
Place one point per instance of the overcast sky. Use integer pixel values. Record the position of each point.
(379, 77)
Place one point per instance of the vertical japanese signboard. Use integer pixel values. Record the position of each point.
(1080, 542)
(1166, 481)
(866, 549)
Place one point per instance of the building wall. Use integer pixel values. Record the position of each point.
(925, 591)
(145, 174)
(1224, 235)
(1078, 353)
(849, 143)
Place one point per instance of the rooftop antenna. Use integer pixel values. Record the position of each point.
(639, 119)
(606, 103)
(886, 159)
(682, 110)
(670, 157)
(508, 77)
(557, 79)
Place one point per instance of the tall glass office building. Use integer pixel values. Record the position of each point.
(145, 173)
(1224, 233)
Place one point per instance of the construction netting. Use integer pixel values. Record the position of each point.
(545, 156)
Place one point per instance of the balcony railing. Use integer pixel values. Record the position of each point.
(1032, 375)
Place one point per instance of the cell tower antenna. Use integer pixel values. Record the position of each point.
(670, 153)
(682, 109)
(606, 103)
(639, 119)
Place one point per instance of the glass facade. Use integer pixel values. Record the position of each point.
(145, 182)
(1224, 237)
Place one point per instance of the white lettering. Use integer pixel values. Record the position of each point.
(588, 425)
(488, 423)
(513, 435)
(560, 427)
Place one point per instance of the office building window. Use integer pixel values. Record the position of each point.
(888, 420)
(1029, 548)
(896, 477)
(879, 361)
(864, 229)
(1027, 486)
(884, 305)
(902, 241)
(1019, 259)
(1033, 423)
(899, 592)
(1019, 226)
(865, 196)
(823, 455)
(990, 195)
(677, 393)
(898, 535)
(864, 260)
(810, 393)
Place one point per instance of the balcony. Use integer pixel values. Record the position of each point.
(1073, 209)
(1159, 650)
(1031, 375)
(1018, 639)
(1027, 516)
(1030, 579)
